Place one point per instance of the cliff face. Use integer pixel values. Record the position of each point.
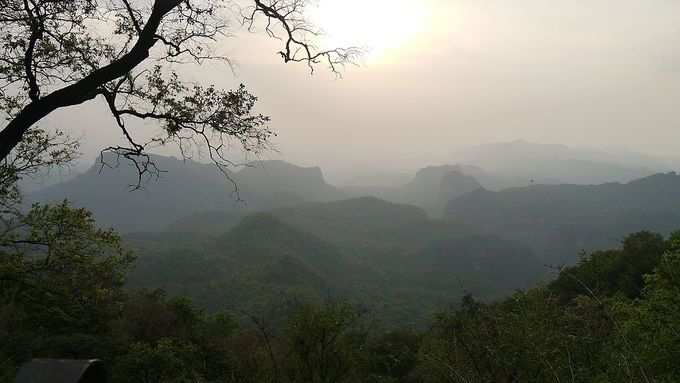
(185, 188)
(433, 187)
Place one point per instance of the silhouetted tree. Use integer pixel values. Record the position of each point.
(37, 152)
(59, 53)
(61, 282)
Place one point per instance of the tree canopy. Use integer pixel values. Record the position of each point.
(60, 53)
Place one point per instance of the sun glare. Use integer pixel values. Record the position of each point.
(379, 26)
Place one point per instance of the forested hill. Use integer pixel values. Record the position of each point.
(184, 188)
(391, 258)
(560, 220)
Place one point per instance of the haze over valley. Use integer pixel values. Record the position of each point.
(339, 191)
(505, 220)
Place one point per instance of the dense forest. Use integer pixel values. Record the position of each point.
(324, 286)
(402, 254)
(153, 230)
(612, 317)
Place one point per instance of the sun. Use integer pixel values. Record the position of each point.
(380, 26)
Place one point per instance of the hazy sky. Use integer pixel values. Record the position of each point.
(450, 73)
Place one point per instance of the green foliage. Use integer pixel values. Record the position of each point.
(324, 344)
(163, 361)
(546, 334)
(61, 282)
(529, 337)
(613, 317)
(38, 150)
(392, 357)
(390, 258)
(169, 340)
(610, 272)
(651, 329)
(607, 332)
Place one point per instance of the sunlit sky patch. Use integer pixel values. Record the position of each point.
(380, 26)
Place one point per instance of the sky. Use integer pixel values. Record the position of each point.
(445, 74)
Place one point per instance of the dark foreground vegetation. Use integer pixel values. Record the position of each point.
(614, 317)
(308, 283)
(401, 253)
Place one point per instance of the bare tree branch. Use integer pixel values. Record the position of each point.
(298, 47)
(60, 53)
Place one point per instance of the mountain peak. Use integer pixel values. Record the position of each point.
(184, 188)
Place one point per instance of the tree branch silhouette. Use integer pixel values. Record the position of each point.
(62, 53)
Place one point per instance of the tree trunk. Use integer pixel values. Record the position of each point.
(87, 88)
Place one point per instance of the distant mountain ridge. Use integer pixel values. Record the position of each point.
(433, 187)
(555, 164)
(560, 220)
(185, 188)
(430, 189)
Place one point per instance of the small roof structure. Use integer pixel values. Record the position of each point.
(62, 371)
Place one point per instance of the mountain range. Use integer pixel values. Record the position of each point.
(522, 162)
(183, 188)
(559, 221)
(403, 251)
(393, 259)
